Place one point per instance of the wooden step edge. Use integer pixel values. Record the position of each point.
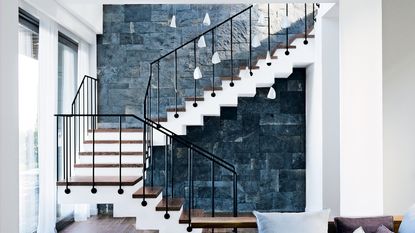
(230, 78)
(265, 57)
(179, 109)
(114, 142)
(283, 46)
(253, 67)
(161, 119)
(100, 153)
(101, 181)
(174, 204)
(198, 98)
(116, 130)
(224, 222)
(108, 165)
(150, 192)
(184, 216)
(308, 36)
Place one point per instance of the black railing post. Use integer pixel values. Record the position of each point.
(235, 197)
(194, 51)
(287, 52)
(189, 182)
(70, 146)
(231, 42)
(166, 178)
(120, 190)
(65, 153)
(176, 89)
(172, 168)
(151, 144)
(250, 42)
(144, 202)
(305, 24)
(158, 92)
(93, 190)
(212, 171)
(213, 94)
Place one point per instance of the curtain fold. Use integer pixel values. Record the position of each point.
(83, 211)
(48, 59)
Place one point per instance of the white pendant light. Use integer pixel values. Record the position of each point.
(245, 73)
(173, 21)
(197, 74)
(256, 42)
(206, 20)
(216, 58)
(261, 19)
(268, 58)
(201, 42)
(271, 93)
(285, 22)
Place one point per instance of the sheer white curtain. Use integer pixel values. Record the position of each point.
(83, 211)
(48, 59)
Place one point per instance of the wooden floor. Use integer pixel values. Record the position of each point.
(106, 224)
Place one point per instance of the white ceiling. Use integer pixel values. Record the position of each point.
(90, 11)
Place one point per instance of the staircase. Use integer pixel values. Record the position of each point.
(100, 165)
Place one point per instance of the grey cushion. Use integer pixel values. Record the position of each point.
(369, 225)
(383, 229)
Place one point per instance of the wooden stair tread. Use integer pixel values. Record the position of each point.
(150, 192)
(174, 204)
(116, 130)
(283, 46)
(107, 153)
(224, 222)
(230, 78)
(101, 181)
(198, 98)
(179, 109)
(184, 217)
(265, 57)
(211, 88)
(114, 141)
(253, 67)
(108, 165)
(161, 119)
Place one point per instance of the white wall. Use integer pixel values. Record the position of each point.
(361, 140)
(9, 137)
(399, 105)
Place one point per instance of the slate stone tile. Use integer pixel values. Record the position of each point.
(137, 13)
(292, 102)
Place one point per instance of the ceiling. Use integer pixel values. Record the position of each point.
(90, 11)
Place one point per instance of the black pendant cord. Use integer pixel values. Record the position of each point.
(194, 51)
(120, 190)
(305, 24)
(287, 52)
(314, 13)
(250, 42)
(231, 84)
(93, 190)
(158, 92)
(171, 167)
(269, 35)
(213, 94)
(176, 115)
(189, 190)
(166, 178)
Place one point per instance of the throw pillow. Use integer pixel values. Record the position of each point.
(383, 229)
(369, 225)
(408, 222)
(307, 222)
(359, 230)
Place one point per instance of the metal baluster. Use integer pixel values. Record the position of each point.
(158, 92)
(176, 115)
(305, 24)
(189, 176)
(120, 190)
(65, 153)
(151, 142)
(213, 94)
(172, 168)
(287, 52)
(250, 42)
(194, 51)
(269, 36)
(144, 202)
(166, 178)
(213, 187)
(232, 83)
(93, 190)
(70, 146)
(235, 198)
(83, 111)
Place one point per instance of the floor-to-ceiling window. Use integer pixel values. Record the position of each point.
(67, 84)
(28, 121)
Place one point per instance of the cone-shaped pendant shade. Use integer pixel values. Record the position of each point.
(268, 58)
(197, 74)
(206, 20)
(173, 21)
(256, 42)
(261, 19)
(285, 23)
(271, 94)
(201, 42)
(216, 58)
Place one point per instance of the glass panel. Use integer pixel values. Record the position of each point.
(67, 84)
(28, 129)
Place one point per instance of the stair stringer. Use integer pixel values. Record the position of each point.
(282, 67)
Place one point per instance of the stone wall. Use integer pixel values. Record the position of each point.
(263, 138)
(135, 35)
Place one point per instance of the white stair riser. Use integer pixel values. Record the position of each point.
(115, 136)
(111, 159)
(105, 171)
(114, 147)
